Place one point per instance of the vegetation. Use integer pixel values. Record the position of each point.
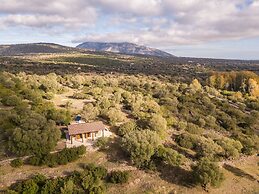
(141, 146)
(101, 143)
(60, 158)
(16, 163)
(207, 174)
(119, 176)
(166, 115)
(91, 180)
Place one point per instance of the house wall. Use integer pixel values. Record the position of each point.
(86, 138)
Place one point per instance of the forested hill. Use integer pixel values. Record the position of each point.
(34, 48)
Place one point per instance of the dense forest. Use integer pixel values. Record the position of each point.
(158, 123)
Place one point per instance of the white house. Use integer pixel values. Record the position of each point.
(85, 133)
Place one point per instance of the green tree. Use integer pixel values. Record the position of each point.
(102, 143)
(126, 128)
(141, 145)
(207, 173)
(232, 148)
(119, 176)
(194, 129)
(17, 163)
(68, 187)
(170, 156)
(115, 115)
(35, 135)
(157, 123)
(90, 112)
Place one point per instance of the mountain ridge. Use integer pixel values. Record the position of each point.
(124, 48)
(34, 48)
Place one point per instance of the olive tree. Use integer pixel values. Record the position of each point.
(141, 145)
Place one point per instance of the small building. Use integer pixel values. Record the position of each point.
(85, 133)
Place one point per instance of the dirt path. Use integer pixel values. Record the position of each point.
(76, 105)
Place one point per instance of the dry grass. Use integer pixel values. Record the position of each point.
(140, 181)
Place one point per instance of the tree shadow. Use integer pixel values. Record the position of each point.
(175, 175)
(183, 151)
(238, 172)
(114, 151)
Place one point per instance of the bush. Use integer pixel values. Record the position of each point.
(187, 141)
(101, 143)
(28, 186)
(16, 163)
(119, 177)
(232, 148)
(181, 125)
(34, 160)
(60, 158)
(96, 171)
(12, 100)
(88, 181)
(141, 145)
(114, 116)
(208, 148)
(207, 173)
(157, 123)
(194, 129)
(126, 128)
(170, 156)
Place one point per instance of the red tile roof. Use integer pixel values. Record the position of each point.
(80, 128)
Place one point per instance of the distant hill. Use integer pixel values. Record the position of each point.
(34, 48)
(124, 47)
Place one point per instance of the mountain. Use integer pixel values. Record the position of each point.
(34, 48)
(124, 47)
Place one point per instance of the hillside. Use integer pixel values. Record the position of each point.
(34, 48)
(172, 119)
(124, 47)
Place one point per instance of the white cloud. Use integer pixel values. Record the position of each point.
(47, 13)
(151, 22)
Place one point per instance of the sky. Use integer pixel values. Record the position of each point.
(194, 28)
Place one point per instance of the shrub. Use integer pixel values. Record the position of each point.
(90, 112)
(60, 158)
(28, 186)
(16, 163)
(68, 187)
(208, 148)
(12, 100)
(96, 171)
(34, 160)
(126, 128)
(181, 125)
(119, 177)
(141, 145)
(207, 173)
(101, 143)
(169, 155)
(39, 179)
(232, 148)
(114, 116)
(201, 122)
(194, 129)
(157, 123)
(187, 140)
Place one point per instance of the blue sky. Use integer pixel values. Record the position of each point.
(198, 28)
